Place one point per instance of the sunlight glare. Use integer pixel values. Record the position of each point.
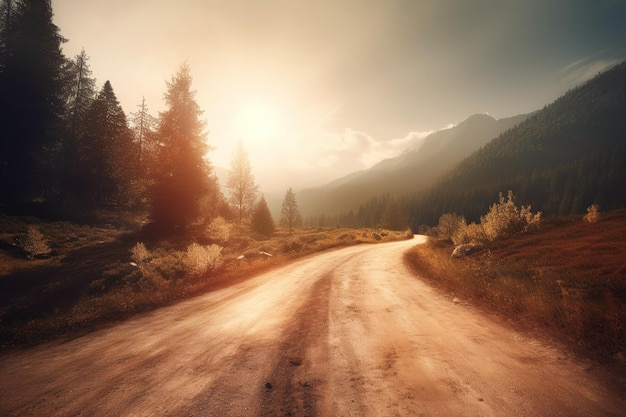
(258, 122)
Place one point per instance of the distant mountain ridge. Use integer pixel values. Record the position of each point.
(563, 158)
(409, 172)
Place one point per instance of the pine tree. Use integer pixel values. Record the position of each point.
(184, 176)
(240, 183)
(106, 152)
(82, 89)
(290, 215)
(262, 222)
(80, 95)
(31, 103)
(144, 126)
(393, 216)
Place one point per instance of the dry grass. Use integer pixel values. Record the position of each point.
(89, 280)
(569, 278)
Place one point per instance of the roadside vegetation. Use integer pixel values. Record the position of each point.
(62, 279)
(564, 278)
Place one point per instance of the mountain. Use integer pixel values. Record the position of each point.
(409, 172)
(560, 160)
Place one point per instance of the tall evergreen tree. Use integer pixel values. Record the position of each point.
(144, 126)
(184, 176)
(290, 215)
(31, 103)
(240, 183)
(393, 216)
(81, 93)
(81, 88)
(262, 222)
(106, 152)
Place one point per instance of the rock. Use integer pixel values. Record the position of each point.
(464, 250)
(456, 300)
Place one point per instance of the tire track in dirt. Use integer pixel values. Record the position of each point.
(293, 387)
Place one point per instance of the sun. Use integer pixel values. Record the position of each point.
(258, 122)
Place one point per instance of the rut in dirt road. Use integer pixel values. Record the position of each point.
(350, 332)
(293, 387)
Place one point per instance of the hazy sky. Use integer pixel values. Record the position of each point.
(318, 89)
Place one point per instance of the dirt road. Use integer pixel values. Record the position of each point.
(346, 333)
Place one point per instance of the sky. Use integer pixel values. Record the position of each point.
(318, 89)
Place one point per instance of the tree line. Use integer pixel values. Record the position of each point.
(68, 149)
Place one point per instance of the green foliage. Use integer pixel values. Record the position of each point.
(262, 222)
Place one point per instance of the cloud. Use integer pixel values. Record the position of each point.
(584, 69)
(353, 150)
(317, 156)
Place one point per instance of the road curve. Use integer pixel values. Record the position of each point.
(349, 332)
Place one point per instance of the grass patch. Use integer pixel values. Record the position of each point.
(569, 279)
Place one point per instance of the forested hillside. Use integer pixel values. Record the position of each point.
(410, 172)
(562, 159)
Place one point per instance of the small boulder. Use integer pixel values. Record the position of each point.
(464, 250)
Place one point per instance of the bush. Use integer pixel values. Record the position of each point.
(219, 230)
(505, 220)
(163, 264)
(593, 214)
(448, 225)
(199, 259)
(139, 253)
(469, 233)
(291, 245)
(35, 244)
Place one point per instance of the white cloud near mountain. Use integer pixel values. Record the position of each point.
(324, 156)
